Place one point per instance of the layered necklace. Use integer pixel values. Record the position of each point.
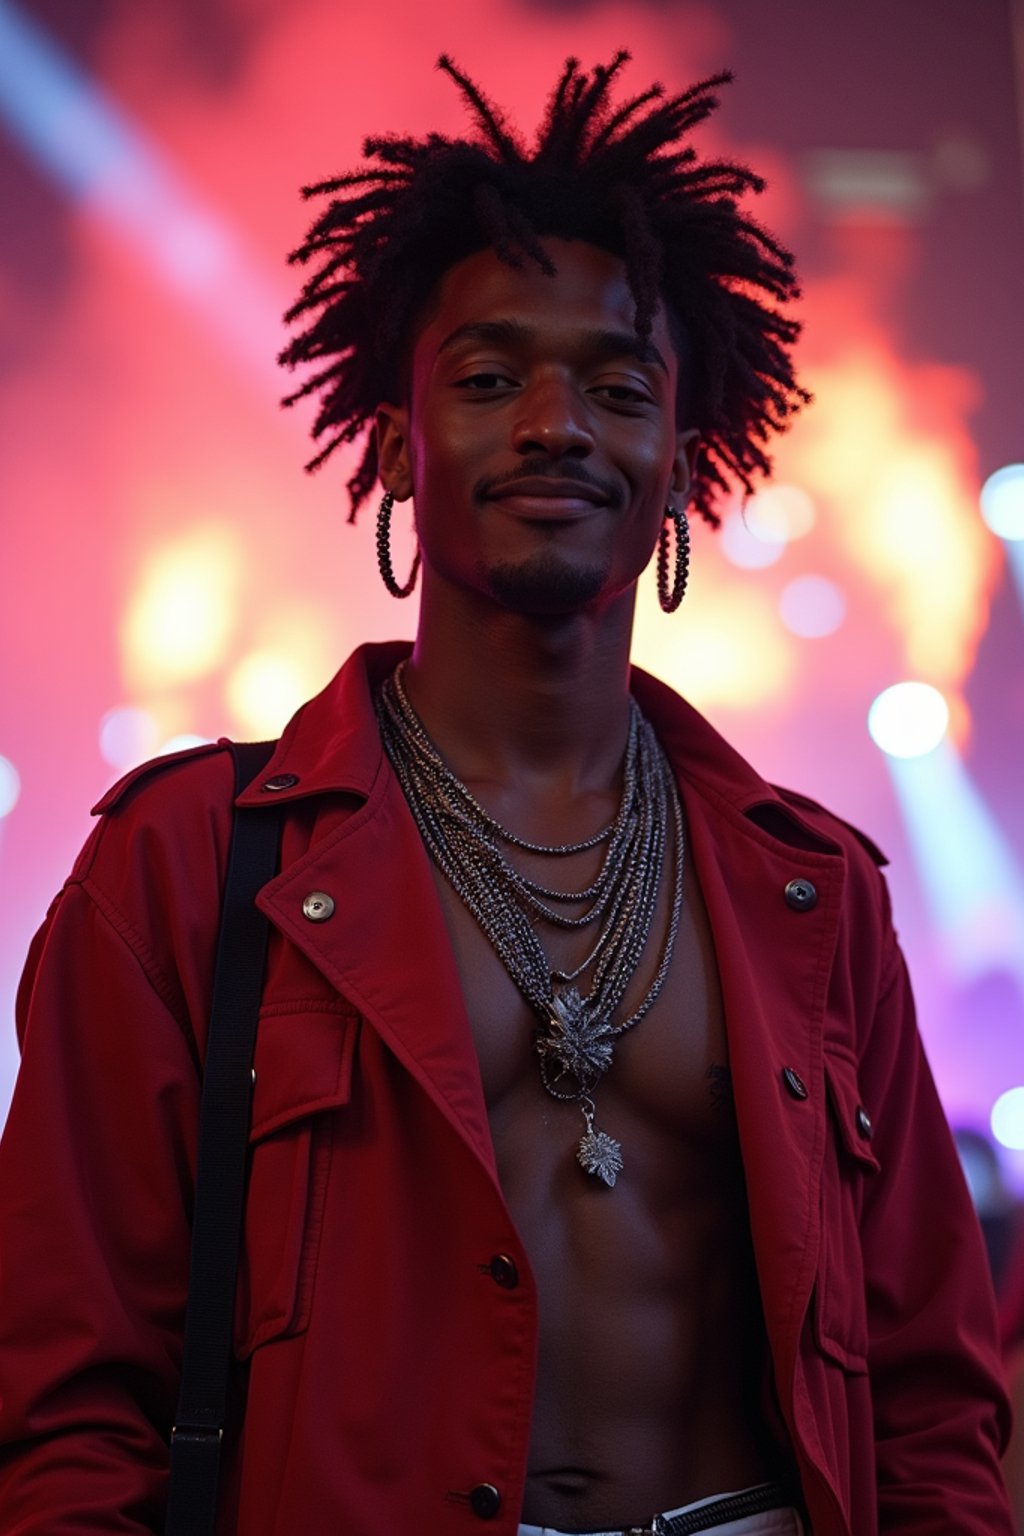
(577, 1030)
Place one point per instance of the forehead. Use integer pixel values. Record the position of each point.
(588, 293)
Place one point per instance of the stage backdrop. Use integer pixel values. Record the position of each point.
(169, 572)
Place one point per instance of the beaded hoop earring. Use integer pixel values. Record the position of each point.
(671, 597)
(384, 551)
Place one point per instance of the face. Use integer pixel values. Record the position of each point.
(539, 439)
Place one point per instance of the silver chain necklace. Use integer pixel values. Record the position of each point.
(576, 1034)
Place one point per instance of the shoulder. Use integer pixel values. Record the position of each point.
(162, 777)
(182, 792)
(867, 936)
(155, 862)
(867, 909)
(850, 838)
(143, 898)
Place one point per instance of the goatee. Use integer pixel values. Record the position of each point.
(546, 584)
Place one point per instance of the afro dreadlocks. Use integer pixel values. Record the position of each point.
(621, 178)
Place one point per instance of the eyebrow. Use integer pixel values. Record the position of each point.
(607, 343)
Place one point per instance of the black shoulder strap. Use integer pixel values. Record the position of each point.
(223, 1150)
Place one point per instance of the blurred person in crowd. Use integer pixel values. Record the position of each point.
(998, 1212)
(597, 1178)
(1012, 1324)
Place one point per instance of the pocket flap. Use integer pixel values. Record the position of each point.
(851, 1115)
(304, 1055)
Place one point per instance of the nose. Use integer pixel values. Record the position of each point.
(552, 419)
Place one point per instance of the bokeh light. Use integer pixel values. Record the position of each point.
(10, 786)
(181, 616)
(780, 513)
(1002, 502)
(264, 691)
(128, 736)
(908, 719)
(729, 652)
(1008, 1119)
(742, 546)
(812, 607)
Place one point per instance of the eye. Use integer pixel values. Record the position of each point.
(621, 393)
(486, 379)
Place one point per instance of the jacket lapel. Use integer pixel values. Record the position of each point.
(774, 961)
(386, 948)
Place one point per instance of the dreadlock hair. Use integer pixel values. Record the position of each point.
(621, 178)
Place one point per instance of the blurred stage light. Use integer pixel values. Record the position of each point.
(265, 690)
(730, 653)
(908, 719)
(905, 510)
(1002, 502)
(103, 159)
(1008, 1119)
(10, 787)
(780, 513)
(812, 607)
(972, 885)
(179, 622)
(915, 533)
(127, 737)
(744, 548)
(869, 182)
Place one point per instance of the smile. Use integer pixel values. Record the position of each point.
(549, 500)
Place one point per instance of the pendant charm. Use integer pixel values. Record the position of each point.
(574, 1044)
(601, 1155)
(598, 1153)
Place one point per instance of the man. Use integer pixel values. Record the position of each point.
(597, 1179)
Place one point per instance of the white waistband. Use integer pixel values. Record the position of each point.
(771, 1522)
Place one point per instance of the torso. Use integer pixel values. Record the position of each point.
(651, 1349)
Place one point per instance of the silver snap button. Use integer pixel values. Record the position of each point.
(318, 906)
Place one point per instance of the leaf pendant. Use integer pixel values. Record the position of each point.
(601, 1155)
(573, 1044)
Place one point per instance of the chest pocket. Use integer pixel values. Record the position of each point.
(304, 1057)
(840, 1309)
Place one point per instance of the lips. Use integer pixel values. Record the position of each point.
(542, 497)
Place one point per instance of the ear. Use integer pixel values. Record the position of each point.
(391, 424)
(687, 449)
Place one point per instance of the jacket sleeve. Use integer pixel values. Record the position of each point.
(941, 1418)
(95, 1197)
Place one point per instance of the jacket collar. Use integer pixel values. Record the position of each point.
(333, 745)
(705, 760)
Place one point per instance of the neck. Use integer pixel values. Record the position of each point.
(533, 705)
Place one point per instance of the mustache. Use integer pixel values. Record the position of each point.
(545, 469)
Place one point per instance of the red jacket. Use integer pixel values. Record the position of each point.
(385, 1374)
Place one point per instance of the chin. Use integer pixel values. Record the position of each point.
(547, 586)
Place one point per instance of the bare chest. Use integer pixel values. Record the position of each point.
(635, 1407)
(668, 1083)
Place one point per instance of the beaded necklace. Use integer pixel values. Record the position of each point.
(576, 1034)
